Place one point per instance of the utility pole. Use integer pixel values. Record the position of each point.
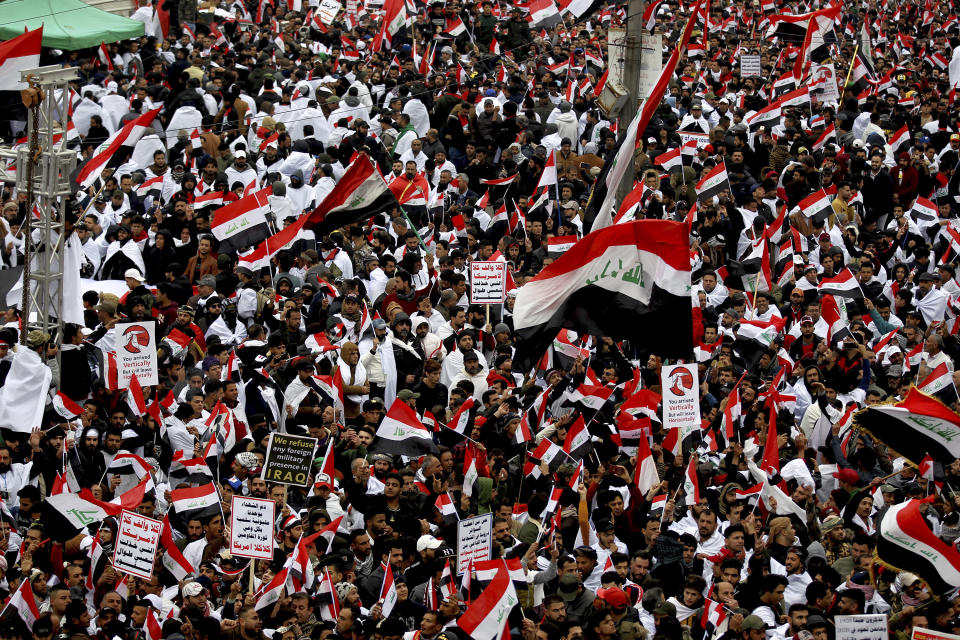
(43, 168)
(631, 81)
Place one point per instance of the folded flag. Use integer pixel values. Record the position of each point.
(106, 154)
(242, 223)
(625, 280)
(402, 433)
(19, 54)
(360, 194)
(906, 542)
(915, 426)
(844, 284)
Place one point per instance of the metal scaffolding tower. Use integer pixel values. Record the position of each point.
(42, 169)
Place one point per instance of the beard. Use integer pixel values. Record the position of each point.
(4, 468)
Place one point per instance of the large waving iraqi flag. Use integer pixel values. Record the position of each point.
(907, 543)
(625, 281)
(917, 425)
(360, 194)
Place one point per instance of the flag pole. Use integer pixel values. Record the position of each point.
(853, 61)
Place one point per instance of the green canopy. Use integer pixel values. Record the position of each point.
(67, 24)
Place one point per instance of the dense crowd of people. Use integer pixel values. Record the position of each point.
(487, 124)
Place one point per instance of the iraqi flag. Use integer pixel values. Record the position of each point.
(712, 617)
(106, 155)
(388, 593)
(925, 210)
(242, 223)
(543, 14)
(558, 245)
(906, 542)
(917, 425)
(463, 419)
(900, 138)
(17, 55)
(844, 285)
(173, 559)
(546, 452)
(650, 15)
(768, 117)
(578, 442)
(691, 484)
(260, 256)
(270, 593)
(151, 626)
(940, 384)
(471, 469)
(66, 407)
(829, 134)
(487, 616)
(360, 194)
(754, 337)
(548, 177)
(713, 183)
(444, 504)
(25, 604)
(645, 476)
(193, 498)
(670, 160)
(153, 186)
(319, 343)
(817, 206)
(627, 280)
(402, 433)
(394, 19)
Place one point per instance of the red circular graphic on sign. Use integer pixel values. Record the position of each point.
(135, 337)
(682, 382)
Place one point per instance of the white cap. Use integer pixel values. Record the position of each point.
(133, 273)
(427, 542)
(239, 153)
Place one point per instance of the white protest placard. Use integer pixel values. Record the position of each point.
(136, 344)
(701, 139)
(487, 281)
(251, 527)
(823, 82)
(474, 540)
(137, 538)
(920, 633)
(651, 62)
(681, 397)
(862, 627)
(328, 10)
(750, 66)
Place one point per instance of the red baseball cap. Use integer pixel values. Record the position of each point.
(614, 596)
(847, 475)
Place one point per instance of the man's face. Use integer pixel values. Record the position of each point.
(798, 619)
(639, 568)
(585, 565)
(731, 575)
(112, 442)
(556, 612)
(501, 532)
(391, 488)
(707, 524)
(250, 622)
(651, 531)
(793, 563)
(301, 607)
